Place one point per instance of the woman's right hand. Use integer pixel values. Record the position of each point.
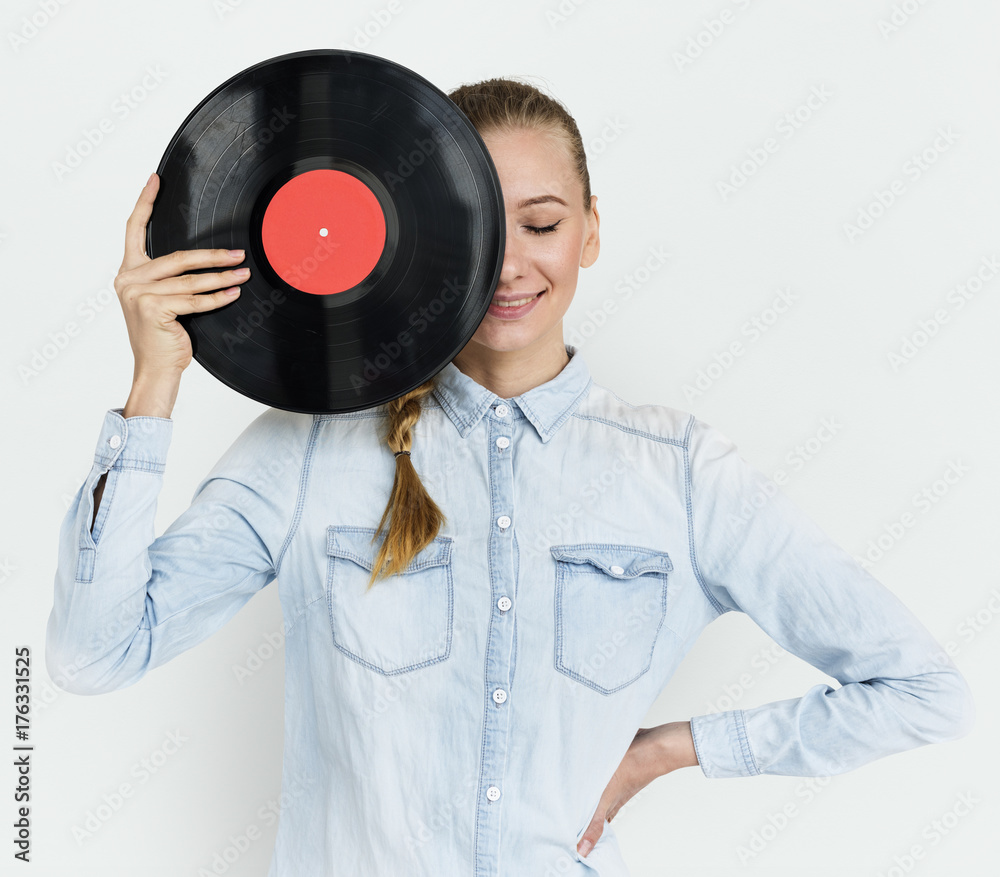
(152, 293)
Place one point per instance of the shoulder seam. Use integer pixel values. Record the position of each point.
(637, 408)
(639, 432)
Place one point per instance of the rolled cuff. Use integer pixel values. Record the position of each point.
(722, 745)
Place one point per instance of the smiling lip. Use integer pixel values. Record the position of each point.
(511, 311)
(522, 299)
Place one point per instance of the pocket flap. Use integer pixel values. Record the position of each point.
(617, 561)
(355, 543)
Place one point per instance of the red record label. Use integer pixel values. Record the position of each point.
(323, 232)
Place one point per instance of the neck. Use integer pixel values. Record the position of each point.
(510, 373)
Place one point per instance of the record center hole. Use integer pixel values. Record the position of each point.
(323, 232)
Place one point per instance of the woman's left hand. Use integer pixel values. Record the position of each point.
(652, 753)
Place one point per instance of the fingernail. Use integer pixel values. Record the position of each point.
(585, 847)
(235, 253)
(153, 174)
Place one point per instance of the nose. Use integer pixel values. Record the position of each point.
(514, 259)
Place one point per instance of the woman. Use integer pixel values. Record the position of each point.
(464, 696)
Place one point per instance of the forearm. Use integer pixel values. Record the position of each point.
(153, 395)
(676, 747)
(831, 730)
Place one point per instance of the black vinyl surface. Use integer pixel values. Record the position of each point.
(439, 193)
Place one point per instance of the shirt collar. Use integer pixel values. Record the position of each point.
(546, 406)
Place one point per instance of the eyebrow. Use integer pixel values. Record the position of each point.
(540, 199)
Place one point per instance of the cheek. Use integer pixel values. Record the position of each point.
(562, 258)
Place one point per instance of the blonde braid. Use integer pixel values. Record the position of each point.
(415, 518)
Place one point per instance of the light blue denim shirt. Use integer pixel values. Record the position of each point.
(465, 716)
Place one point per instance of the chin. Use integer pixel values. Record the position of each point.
(507, 338)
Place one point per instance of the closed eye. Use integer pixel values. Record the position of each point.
(542, 229)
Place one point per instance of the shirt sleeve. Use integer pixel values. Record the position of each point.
(754, 551)
(126, 601)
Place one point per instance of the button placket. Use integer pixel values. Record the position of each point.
(500, 649)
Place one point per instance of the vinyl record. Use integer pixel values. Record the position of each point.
(372, 219)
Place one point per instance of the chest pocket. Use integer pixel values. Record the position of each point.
(610, 602)
(403, 622)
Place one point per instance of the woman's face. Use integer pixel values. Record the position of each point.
(549, 238)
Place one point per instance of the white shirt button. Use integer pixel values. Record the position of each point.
(503, 442)
(617, 570)
(499, 696)
(493, 793)
(503, 522)
(502, 410)
(503, 604)
(115, 441)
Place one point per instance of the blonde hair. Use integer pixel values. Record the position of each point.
(502, 105)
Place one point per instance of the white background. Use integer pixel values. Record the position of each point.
(661, 135)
